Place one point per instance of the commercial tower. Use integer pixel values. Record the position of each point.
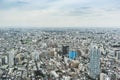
(11, 58)
(94, 66)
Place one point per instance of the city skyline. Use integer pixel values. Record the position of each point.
(60, 13)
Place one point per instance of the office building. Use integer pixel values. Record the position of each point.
(11, 58)
(72, 54)
(94, 65)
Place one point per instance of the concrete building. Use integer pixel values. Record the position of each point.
(117, 54)
(104, 77)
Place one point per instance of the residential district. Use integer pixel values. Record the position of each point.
(60, 54)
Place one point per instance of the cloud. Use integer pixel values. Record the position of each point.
(38, 18)
(24, 4)
(59, 12)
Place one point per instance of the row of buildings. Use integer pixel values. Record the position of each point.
(64, 54)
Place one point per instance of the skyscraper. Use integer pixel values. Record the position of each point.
(11, 58)
(65, 50)
(94, 66)
(117, 54)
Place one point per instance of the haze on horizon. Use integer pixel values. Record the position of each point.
(60, 13)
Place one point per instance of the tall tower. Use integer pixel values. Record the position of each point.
(94, 66)
(11, 58)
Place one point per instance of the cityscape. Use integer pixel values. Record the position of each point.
(59, 39)
(60, 54)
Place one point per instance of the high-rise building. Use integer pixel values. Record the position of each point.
(11, 58)
(4, 59)
(65, 50)
(35, 55)
(117, 54)
(94, 66)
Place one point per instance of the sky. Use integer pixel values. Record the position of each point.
(60, 13)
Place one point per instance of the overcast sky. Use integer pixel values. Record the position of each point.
(60, 13)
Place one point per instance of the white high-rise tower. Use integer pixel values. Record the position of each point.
(94, 66)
